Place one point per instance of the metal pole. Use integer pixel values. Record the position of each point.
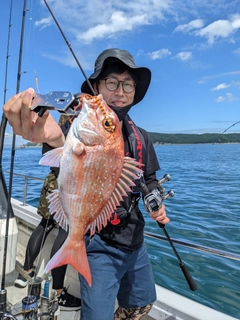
(25, 191)
(209, 250)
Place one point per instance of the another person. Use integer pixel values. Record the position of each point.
(119, 262)
(36, 241)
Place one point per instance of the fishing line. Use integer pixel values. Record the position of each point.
(33, 45)
(70, 48)
(218, 137)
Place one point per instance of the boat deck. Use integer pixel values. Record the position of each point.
(168, 306)
(15, 296)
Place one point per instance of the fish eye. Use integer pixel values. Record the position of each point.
(108, 125)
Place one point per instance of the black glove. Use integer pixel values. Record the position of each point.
(121, 213)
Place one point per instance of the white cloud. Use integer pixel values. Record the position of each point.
(159, 54)
(194, 24)
(229, 97)
(99, 26)
(91, 20)
(220, 99)
(221, 87)
(220, 29)
(236, 84)
(44, 23)
(237, 51)
(118, 22)
(224, 74)
(184, 55)
(216, 29)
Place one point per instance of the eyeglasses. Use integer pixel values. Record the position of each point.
(112, 84)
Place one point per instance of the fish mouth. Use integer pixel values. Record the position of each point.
(86, 130)
(81, 132)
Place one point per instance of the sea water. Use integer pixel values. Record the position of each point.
(204, 211)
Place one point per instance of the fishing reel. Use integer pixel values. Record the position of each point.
(153, 200)
(37, 304)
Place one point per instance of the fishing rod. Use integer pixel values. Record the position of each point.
(13, 147)
(153, 202)
(3, 291)
(5, 196)
(218, 137)
(209, 250)
(4, 119)
(2, 133)
(4, 193)
(70, 48)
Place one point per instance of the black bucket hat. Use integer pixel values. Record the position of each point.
(143, 75)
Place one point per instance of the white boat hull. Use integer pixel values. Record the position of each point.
(11, 246)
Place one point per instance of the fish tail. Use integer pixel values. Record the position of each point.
(67, 255)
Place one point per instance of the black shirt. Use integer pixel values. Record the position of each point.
(128, 233)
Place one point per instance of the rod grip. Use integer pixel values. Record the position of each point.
(161, 225)
(192, 284)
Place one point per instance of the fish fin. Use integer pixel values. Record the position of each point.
(78, 148)
(55, 207)
(52, 158)
(67, 255)
(130, 172)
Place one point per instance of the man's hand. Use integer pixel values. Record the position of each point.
(160, 215)
(28, 125)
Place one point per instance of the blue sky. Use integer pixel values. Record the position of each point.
(191, 47)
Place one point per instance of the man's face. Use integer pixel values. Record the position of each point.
(117, 98)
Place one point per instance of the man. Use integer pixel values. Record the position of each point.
(118, 260)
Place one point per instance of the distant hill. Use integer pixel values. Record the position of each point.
(180, 138)
(30, 145)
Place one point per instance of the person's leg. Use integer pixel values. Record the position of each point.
(35, 243)
(66, 301)
(132, 313)
(137, 290)
(107, 265)
(58, 274)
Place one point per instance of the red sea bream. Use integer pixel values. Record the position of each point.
(94, 176)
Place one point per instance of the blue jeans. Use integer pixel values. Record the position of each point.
(116, 273)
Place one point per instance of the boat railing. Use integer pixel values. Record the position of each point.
(217, 252)
(26, 179)
(208, 250)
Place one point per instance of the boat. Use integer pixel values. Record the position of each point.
(168, 306)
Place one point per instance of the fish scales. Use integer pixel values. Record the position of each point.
(94, 176)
